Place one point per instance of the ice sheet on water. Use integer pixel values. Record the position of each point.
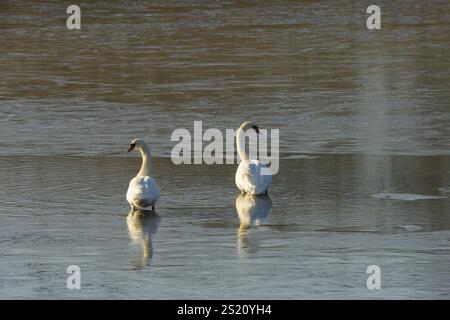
(405, 196)
(301, 156)
(411, 227)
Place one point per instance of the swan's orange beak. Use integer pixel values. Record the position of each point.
(131, 147)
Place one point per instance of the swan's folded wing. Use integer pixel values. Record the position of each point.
(251, 177)
(150, 189)
(253, 172)
(260, 181)
(267, 179)
(143, 191)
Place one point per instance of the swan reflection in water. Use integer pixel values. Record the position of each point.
(142, 227)
(252, 210)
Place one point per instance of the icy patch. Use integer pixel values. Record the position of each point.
(447, 190)
(300, 156)
(411, 228)
(404, 196)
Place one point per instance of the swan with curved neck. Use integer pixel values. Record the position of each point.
(240, 139)
(146, 154)
(143, 191)
(249, 178)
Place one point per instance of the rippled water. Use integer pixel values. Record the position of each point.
(364, 128)
(145, 68)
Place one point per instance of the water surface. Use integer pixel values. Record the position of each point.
(309, 68)
(360, 113)
(314, 240)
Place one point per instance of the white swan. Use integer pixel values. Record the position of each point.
(143, 191)
(248, 175)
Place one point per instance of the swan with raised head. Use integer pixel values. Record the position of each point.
(249, 178)
(143, 191)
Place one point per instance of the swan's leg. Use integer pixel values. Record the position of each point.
(267, 191)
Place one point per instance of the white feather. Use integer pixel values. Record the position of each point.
(249, 178)
(143, 191)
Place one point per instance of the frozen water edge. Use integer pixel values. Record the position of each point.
(405, 196)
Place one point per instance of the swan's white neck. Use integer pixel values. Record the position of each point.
(240, 142)
(146, 161)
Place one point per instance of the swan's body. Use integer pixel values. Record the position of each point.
(249, 178)
(143, 191)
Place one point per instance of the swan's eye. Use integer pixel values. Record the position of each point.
(132, 145)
